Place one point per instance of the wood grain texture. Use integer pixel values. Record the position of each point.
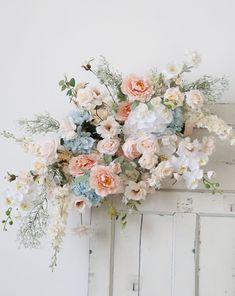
(180, 243)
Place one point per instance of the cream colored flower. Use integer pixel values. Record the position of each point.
(173, 98)
(136, 191)
(195, 99)
(173, 69)
(48, 150)
(148, 161)
(163, 170)
(108, 128)
(147, 144)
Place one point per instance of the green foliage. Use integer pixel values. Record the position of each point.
(213, 186)
(8, 220)
(134, 105)
(41, 124)
(69, 86)
(107, 158)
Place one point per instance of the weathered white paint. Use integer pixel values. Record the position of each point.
(180, 243)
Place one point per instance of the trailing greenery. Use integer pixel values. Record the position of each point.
(34, 224)
(212, 87)
(41, 124)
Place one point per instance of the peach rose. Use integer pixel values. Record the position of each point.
(84, 161)
(130, 148)
(108, 146)
(124, 108)
(104, 181)
(137, 88)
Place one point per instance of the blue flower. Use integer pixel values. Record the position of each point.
(178, 120)
(82, 144)
(80, 116)
(83, 188)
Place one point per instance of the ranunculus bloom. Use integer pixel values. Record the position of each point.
(130, 148)
(195, 99)
(108, 146)
(104, 181)
(124, 108)
(84, 161)
(137, 88)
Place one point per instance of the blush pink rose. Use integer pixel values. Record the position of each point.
(129, 148)
(147, 144)
(84, 161)
(115, 167)
(124, 108)
(137, 88)
(104, 181)
(108, 146)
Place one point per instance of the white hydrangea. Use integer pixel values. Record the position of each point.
(145, 120)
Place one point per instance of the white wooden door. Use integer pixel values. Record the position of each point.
(180, 243)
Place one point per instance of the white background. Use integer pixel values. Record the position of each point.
(40, 41)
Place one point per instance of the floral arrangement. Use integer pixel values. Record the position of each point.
(123, 137)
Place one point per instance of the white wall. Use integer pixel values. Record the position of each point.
(41, 40)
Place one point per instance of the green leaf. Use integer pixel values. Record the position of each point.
(69, 92)
(134, 105)
(107, 158)
(80, 179)
(61, 82)
(63, 87)
(150, 106)
(119, 159)
(11, 222)
(72, 82)
(126, 167)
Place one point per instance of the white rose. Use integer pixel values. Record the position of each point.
(163, 170)
(89, 98)
(48, 150)
(136, 191)
(148, 161)
(108, 146)
(173, 97)
(195, 99)
(67, 128)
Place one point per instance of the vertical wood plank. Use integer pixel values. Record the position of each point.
(126, 257)
(156, 255)
(217, 256)
(183, 261)
(100, 248)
